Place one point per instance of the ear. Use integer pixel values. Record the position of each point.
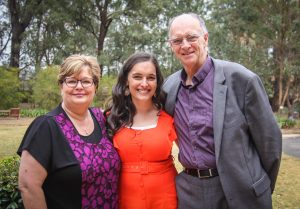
(61, 86)
(170, 45)
(206, 38)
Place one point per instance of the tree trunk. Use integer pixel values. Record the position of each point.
(287, 88)
(17, 30)
(290, 109)
(281, 51)
(38, 50)
(20, 15)
(15, 47)
(105, 23)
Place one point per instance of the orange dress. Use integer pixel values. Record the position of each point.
(147, 179)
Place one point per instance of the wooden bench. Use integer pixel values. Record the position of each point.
(15, 112)
(4, 113)
(12, 112)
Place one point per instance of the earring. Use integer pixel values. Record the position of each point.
(127, 92)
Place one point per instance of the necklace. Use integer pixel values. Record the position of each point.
(81, 125)
(86, 131)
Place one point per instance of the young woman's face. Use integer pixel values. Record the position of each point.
(142, 81)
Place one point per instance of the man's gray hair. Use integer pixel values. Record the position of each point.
(194, 15)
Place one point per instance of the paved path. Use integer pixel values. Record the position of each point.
(291, 144)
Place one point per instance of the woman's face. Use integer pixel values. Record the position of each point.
(142, 81)
(78, 89)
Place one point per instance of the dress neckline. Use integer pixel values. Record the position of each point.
(141, 128)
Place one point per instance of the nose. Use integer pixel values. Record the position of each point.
(144, 82)
(79, 85)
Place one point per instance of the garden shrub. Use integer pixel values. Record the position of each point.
(286, 123)
(10, 197)
(32, 113)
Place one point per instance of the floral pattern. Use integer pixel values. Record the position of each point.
(99, 163)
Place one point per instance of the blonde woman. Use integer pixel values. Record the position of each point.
(67, 160)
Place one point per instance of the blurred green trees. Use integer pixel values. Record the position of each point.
(10, 84)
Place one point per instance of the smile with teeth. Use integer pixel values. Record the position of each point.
(187, 53)
(143, 91)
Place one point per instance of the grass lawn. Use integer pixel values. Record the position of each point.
(11, 133)
(287, 191)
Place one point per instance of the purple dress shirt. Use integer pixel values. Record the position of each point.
(193, 119)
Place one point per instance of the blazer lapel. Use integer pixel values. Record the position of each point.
(219, 101)
(172, 88)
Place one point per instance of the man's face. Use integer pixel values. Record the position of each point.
(188, 42)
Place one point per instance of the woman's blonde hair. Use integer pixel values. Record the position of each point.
(73, 64)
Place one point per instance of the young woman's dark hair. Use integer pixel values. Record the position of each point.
(121, 110)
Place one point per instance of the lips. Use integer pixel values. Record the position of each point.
(143, 91)
(187, 53)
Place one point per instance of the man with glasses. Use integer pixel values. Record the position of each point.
(229, 142)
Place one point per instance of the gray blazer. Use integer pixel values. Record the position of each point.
(248, 141)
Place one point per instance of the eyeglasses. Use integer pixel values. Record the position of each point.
(72, 82)
(179, 41)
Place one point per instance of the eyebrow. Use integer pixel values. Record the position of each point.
(188, 34)
(185, 35)
(143, 74)
(85, 77)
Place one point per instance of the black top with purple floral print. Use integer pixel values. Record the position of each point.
(81, 174)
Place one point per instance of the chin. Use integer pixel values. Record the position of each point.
(143, 99)
(81, 102)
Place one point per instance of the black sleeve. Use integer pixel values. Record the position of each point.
(37, 141)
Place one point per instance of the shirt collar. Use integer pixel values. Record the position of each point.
(200, 75)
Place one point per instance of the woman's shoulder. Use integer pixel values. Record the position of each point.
(98, 114)
(44, 121)
(47, 118)
(97, 110)
(42, 125)
(40, 121)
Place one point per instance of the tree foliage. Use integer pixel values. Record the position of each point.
(10, 94)
(104, 91)
(46, 93)
(262, 35)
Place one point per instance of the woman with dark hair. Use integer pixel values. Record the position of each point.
(143, 135)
